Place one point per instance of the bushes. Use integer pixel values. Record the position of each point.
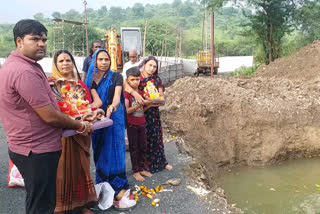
(243, 70)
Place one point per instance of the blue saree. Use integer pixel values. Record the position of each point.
(109, 143)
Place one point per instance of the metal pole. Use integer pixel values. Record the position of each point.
(63, 34)
(54, 37)
(82, 42)
(165, 44)
(203, 26)
(176, 50)
(206, 31)
(212, 43)
(144, 38)
(85, 19)
(180, 44)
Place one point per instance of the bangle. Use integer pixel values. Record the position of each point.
(109, 107)
(85, 128)
(114, 108)
(81, 127)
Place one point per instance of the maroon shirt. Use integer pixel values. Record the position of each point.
(137, 117)
(23, 87)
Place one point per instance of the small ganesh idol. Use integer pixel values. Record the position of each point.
(70, 96)
(151, 92)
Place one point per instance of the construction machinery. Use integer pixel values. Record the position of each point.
(204, 63)
(114, 48)
(119, 52)
(130, 39)
(206, 60)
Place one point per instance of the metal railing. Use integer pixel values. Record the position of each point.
(170, 70)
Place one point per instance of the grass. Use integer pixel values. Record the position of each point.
(243, 70)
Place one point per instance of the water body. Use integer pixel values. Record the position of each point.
(286, 188)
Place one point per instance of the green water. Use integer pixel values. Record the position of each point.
(291, 187)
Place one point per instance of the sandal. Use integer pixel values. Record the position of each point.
(125, 203)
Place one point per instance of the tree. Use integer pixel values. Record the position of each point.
(138, 10)
(91, 13)
(156, 36)
(176, 3)
(235, 34)
(116, 14)
(191, 47)
(56, 15)
(40, 17)
(270, 20)
(6, 40)
(213, 4)
(93, 34)
(73, 15)
(185, 10)
(308, 17)
(102, 11)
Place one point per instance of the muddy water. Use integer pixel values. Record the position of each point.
(289, 187)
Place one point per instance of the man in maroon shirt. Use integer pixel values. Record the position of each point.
(31, 118)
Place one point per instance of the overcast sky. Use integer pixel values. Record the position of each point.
(13, 10)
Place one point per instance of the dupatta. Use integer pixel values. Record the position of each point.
(104, 83)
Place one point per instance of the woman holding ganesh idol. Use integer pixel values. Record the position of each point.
(156, 159)
(75, 189)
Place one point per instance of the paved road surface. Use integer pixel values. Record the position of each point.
(180, 201)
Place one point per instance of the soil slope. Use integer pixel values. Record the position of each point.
(302, 65)
(271, 116)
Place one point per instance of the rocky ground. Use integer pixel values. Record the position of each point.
(271, 116)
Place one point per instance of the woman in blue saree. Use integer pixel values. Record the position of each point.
(109, 143)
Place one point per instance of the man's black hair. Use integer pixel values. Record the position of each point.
(28, 26)
(134, 71)
(92, 45)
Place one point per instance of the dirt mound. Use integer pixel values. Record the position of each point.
(302, 65)
(253, 121)
(228, 121)
(259, 120)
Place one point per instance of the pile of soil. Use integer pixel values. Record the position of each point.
(253, 121)
(302, 65)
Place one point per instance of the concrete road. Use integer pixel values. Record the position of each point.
(180, 201)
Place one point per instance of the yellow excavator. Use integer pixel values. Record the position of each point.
(114, 49)
(119, 46)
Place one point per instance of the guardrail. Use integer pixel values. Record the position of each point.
(170, 71)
